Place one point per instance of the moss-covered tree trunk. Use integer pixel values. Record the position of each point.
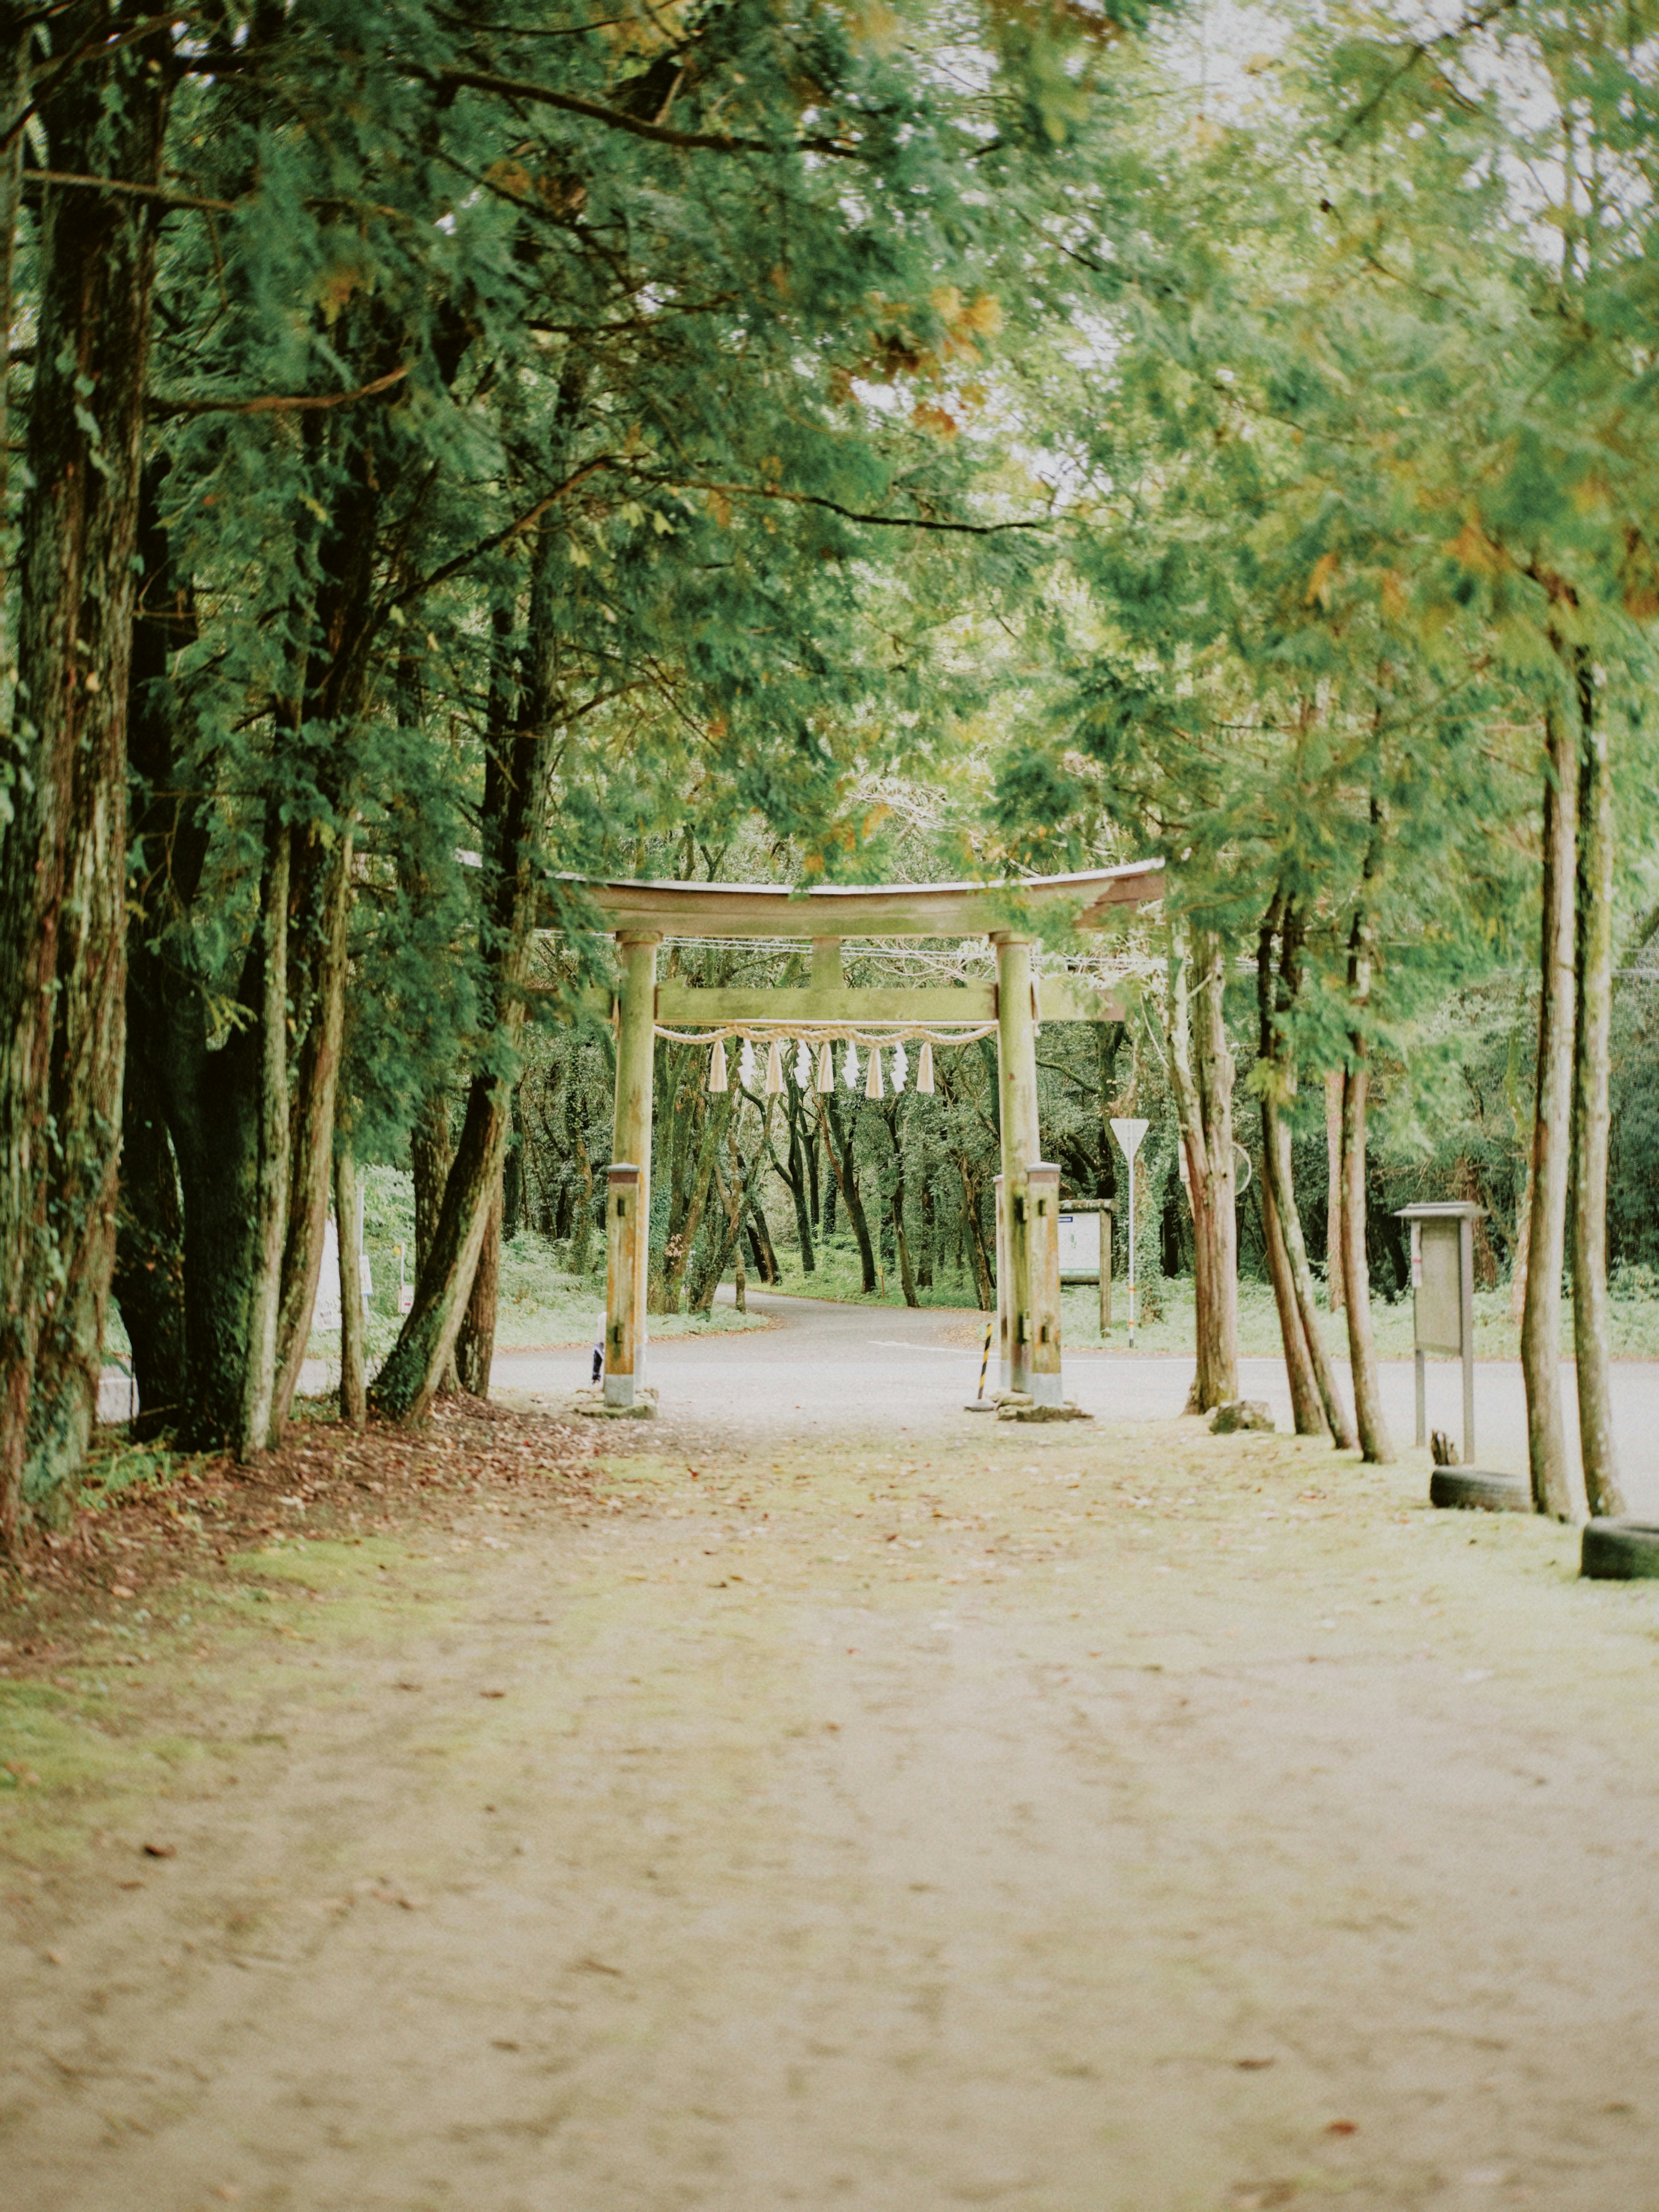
(1551, 1162)
(62, 849)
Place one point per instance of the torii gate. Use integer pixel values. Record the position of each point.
(640, 914)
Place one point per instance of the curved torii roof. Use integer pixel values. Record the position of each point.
(968, 909)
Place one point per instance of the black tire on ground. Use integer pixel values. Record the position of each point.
(1621, 1551)
(1484, 1493)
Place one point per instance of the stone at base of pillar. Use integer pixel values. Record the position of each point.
(590, 1403)
(1045, 1390)
(619, 1390)
(1004, 1368)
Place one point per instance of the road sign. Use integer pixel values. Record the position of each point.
(1129, 1133)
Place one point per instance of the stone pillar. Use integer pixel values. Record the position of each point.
(1043, 1249)
(624, 1350)
(1017, 1075)
(628, 1210)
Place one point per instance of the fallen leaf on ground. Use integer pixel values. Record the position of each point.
(160, 1851)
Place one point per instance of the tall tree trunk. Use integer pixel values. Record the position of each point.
(1593, 944)
(1375, 1444)
(150, 1253)
(515, 801)
(1204, 1095)
(475, 1348)
(1541, 1323)
(252, 1435)
(838, 1144)
(796, 1179)
(906, 1274)
(353, 1404)
(63, 852)
(985, 1281)
(316, 1081)
(1307, 1414)
(431, 1150)
(1276, 1164)
(514, 1204)
(1335, 1263)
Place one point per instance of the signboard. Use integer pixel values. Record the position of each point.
(1079, 1247)
(1436, 1285)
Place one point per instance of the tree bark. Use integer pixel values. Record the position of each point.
(475, 1347)
(252, 1434)
(149, 1282)
(431, 1151)
(515, 774)
(63, 850)
(1541, 1323)
(1335, 1248)
(325, 915)
(354, 1403)
(1593, 947)
(1276, 1163)
(1375, 1444)
(1307, 1414)
(838, 1144)
(1203, 1067)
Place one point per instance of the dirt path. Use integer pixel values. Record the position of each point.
(1076, 1820)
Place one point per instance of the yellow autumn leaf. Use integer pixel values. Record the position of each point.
(1319, 581)
(1395, 605)
(929, 417)
(1475, 550)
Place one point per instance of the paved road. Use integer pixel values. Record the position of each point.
(828, 1367)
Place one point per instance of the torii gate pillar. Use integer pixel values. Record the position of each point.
(1028, 1285)
(628, 1207)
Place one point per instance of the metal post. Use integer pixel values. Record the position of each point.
(626, 1283)
(1105, 1273)
(1017, 1069)
(1466, 1300)
(1131, 1251)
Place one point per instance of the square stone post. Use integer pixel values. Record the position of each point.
(628, 1203)
(624, 1350)
(1005, 1326)
(1016, 1078)
(1042, 1248)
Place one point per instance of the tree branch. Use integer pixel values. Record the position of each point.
(849, 514)
(616, 118)
(270, 402)
(34, 178)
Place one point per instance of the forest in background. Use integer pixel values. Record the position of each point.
(453, 451)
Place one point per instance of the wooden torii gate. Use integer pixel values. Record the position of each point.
(640, 914)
